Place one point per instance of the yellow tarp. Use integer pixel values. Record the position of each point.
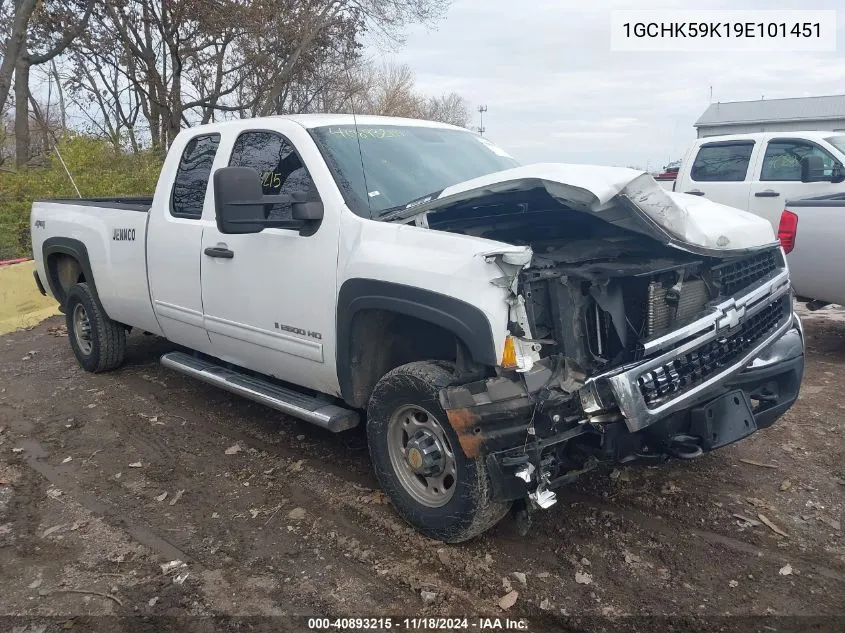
(21, 305)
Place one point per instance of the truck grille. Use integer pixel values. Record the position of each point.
(734, 276)
(698, 365)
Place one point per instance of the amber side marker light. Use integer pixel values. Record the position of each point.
(509, 360)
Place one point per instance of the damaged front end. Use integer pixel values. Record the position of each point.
(620, 346)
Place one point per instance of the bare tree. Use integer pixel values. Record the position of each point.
(366, 88)
(449, 108)
(18, 18)
(395, 93)
(54, 76)
(319, 17)
(142, 70)
(392, 91)
(182, 57)
(43, 35)
(105, 98)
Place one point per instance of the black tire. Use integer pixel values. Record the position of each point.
(471, 509)
(106, 339)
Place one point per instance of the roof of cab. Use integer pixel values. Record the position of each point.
(321, 120)
(762, 136)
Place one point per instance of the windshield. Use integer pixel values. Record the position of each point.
(403, 163)
(838, 142)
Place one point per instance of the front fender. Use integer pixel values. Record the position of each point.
(467, 322)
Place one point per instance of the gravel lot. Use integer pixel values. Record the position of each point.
(104, 478)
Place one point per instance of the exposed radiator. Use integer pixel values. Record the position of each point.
(670, 307)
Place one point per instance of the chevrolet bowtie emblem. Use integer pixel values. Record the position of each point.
(730, 317)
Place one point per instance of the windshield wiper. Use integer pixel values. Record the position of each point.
(399, 210)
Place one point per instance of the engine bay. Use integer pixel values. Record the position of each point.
(598, 290)
(631, 337)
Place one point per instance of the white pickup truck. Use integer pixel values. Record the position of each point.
(759, 172)
(501, 329)
(762, 173)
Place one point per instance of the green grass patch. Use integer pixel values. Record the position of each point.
(97, 168)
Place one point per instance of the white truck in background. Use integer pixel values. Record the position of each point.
(759, 172)
(502, 329)
(766, 172)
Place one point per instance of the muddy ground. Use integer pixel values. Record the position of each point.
(104, 478)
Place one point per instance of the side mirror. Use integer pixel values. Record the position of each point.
(241, 206)
(838, 174)
(812, 169)
(238, 199)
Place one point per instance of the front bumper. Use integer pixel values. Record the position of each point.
(770, 383)
(512, 428)
(691, 361)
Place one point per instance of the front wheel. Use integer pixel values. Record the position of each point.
(418, 460)
(98, 343)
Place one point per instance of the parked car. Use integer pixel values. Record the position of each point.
(760, 172)
(502, 329)
(670, 171)
(810, 232)
(666, 178)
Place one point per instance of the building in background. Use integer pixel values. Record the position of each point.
(773, 115)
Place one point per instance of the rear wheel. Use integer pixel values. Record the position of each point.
(98, 343)
(418, 460)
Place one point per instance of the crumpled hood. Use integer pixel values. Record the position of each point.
(686, 219)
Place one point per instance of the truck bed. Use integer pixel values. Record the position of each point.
(831, 199)
(109, 236)
(817, 259)
(135, 203)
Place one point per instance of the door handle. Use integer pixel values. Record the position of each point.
(695, 192)
(768, 193)
(219, 251)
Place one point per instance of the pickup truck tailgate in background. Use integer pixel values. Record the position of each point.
(818, 258)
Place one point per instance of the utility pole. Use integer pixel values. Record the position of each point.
(481, 110)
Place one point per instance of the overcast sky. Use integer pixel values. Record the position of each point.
(555, 91)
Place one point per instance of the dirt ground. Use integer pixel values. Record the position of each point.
(104, 478)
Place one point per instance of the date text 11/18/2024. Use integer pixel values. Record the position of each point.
(418, 624)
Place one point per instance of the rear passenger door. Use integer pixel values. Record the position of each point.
(780, 177)
(721, 172)
(174, 240)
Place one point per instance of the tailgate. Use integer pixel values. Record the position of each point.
(816, 261)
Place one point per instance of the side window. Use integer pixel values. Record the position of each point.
(192, 176)
(278, 164)
(722, 162)
(783, 160)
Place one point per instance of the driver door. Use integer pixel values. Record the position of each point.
(269, 298)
